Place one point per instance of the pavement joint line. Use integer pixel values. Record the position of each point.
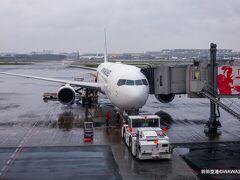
(8, 161)
(17, 151)
(4, 167)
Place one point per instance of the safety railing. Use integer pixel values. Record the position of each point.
(229, 105)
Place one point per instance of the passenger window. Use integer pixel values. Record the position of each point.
(138, 82)
(145, 82)
(130, 82)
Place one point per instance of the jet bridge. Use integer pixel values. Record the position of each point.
(217, 81)
(167, 80)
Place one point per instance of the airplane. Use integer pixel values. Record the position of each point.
(91, 56)
(125, 85)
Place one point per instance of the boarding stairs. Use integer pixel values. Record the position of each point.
(232, 107)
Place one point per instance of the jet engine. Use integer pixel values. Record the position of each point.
(66, 95)
(165, 98)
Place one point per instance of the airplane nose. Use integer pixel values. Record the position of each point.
(136, 97)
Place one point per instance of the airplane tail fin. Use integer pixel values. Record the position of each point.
(105, 47)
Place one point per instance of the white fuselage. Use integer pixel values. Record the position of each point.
(125, 86)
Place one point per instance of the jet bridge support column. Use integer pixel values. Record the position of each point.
(213, 122)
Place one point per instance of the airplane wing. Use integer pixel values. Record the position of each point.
(90, 85)
(84, 67)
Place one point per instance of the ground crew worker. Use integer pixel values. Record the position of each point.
(107, 118)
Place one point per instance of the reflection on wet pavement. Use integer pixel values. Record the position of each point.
(166, 119)
(84, 162)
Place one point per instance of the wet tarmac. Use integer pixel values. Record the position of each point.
(216, 158)
(68, 162)
(27, 122)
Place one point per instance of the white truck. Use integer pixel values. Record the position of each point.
(144, 137)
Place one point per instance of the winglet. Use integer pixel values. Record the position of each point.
(105, 47)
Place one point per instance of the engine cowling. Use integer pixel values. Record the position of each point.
(66, 95)
(165, 98)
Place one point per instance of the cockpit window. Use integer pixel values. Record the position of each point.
(145, 82)
(138, 82)
(121, 82)
(130, 82)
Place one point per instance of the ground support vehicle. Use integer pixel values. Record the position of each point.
(144, 137)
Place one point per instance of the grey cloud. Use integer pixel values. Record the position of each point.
(133, 25)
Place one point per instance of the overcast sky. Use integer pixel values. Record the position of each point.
(132, 25)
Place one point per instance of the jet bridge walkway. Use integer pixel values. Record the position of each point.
(233, 111)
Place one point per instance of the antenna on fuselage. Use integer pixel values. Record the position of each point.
(105, 47)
